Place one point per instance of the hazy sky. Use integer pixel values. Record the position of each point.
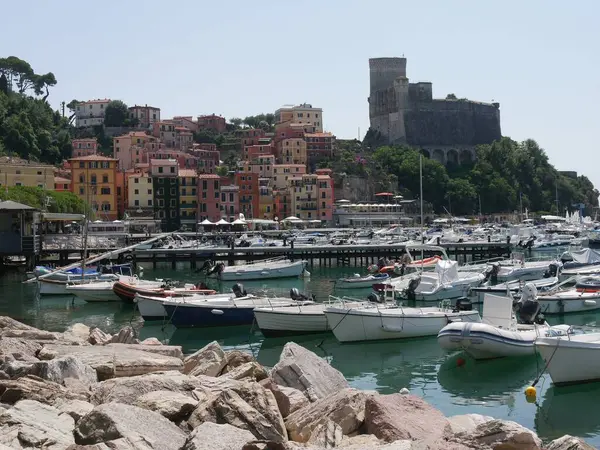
(538, 58)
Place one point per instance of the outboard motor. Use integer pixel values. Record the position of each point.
(238, 290)
(296, 295)
(463, 304)
(218, 268)
(206, 266)
(491, 273)
(373, 298)
(553, 270)
(412, 287)
(381, 263)
(528, 308)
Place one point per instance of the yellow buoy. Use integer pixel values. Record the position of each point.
(530, 391)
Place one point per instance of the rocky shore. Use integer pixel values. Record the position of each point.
(87, 390)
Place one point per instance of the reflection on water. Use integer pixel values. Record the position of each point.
(484, 387)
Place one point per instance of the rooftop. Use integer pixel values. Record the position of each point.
(97, 100)
(93, 158)
(144, 106)
(21, 162)
(187, 173)
(9, 205)
(211, 176)
(61, 180)
(327, 134)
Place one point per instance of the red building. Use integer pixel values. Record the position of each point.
(319, 145)
(252, 151)
(212, 122)
(84, 147)
(62, 184)
(209, 197)
(251, 136)
(249, 199)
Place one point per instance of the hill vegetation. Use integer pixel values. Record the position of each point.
(60, 202)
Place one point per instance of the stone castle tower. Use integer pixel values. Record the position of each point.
(406, 113)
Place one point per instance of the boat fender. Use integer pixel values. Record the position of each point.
(589, 302)
(217, 312)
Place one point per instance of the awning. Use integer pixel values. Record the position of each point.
(206, 222)
(222, 222)
(63, 217)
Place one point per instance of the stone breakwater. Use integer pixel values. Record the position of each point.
(87, 390)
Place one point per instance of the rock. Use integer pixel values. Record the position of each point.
(19, 349)
(501, 434)
(209, 360)
(31, 335)
(133, 442)
(245, 405)
(33, 424)
(235, 358)
(301, 369)
(399, 416)
(16, 369)
(8, 323)
(211, 436)
(74, 408)
(569, 443)
(360, 442)
(288, 399)
(272, 445)
(404, 391)
(327, 435)
(467, 422)
(250, 369)
(98, 337)
(126, 335)
(128, 390)
(4, 375)
(172, 405)
(116, 420)
(165, 350)
(77, 333)
(112, 361)
(151, 341)
(66, 367)
(31, 387)
(346, 408)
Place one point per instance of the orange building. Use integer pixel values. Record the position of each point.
(94, 180)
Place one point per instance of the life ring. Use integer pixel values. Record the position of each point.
(218, 241)
(203, 238)
(128, 257)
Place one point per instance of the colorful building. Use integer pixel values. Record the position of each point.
(188, 198)
(62, 184)
(130, 148)
(165, 185)
(283, 172)
(319, 146)
(186, 121)
(303, 114)
(94, 180)
(251, 136)
(209, 197)
(292, 151)
(230, 201)
(146, 115)
(140, 193)
(312, 197)
(248, 194)
(266, 200)
(212, 122)
(84, 147)
(253, 151)
(21, 172)
(90, 113)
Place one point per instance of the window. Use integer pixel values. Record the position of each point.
(149, 202)
(322, 204)
(136, 203)
(230, 197)
(93, 165)
(105, 206)
(81, 179)
(173, 203)
(161, 202)
(105, 191)
(204, 195)
(93, 180)
(183, 191)
(160, 170)
(149, 180)
(205, 184)
(322, 194)
(81, 191)
(223, 197)
(105, 165)
(105, 178)
(81, 165)
(160, 191)
(173, 214)
(173, 191)
(216, 195)
(136, 191)
(172, 169)
(161, 180)
(193, 191)
(231, 210)
(149, 191)
(136, 180)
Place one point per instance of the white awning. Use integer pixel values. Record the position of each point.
(206, 222)
(222, 222)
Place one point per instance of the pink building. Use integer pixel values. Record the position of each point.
(212, 122)
(146, 115)
(186, 121)
(251, 136)
(184, 160)
(130, 148)
(205, 146)
(209, 197)
(252, 151)
(84, 147)
(326, 195)
(208, 160)
(62, 184)
(230, 201)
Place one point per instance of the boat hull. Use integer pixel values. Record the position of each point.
(570, 361)
(589, 301)
(278, 323)
(93, 295)
(357, 283)
(213, 315)
(53, 287)
(126, 291)
(247, 272)
(151, 306)
(356, 325)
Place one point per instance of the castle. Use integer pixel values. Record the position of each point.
(447, 130)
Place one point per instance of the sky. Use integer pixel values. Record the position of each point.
(539, 59)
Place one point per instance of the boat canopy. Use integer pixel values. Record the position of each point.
(447, 270)
(586, 256)
(497, 310)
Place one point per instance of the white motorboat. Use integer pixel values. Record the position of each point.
(571, 359)
(99, 291)
(59, 287)
(371, 322)
(584, 262)
(270, 268)
(542, 285)
(521, 271)
(358, 282)
(569, 301)
(276, 321)
(444, 283)
(499, 334)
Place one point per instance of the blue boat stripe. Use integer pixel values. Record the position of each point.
(490, 336)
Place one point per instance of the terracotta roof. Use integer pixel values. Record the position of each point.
(323, 177)
(209, 176)
(318, 134)
(98, 100)
(93, 158)
(182, 128)
(61, 180)
(187, 173)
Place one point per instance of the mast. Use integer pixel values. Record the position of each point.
(421, 191)
(556, 187)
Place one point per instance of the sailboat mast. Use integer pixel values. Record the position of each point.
(421, 192)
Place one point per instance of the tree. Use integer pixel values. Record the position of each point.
(222, 171)
(4, 84)
(116, 114)
(236, 121)
(42, 83)
(462, 196)
(451, 97)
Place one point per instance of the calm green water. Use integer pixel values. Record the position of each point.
(490, 387)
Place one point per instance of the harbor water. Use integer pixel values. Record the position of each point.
(453, 383)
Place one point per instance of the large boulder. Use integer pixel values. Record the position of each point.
(128, 390)
(14, 368)
(345, 408)
(134, 441)
(212, 436)
(31, 387)
(116, 420)
(112, 361)
(397, 416)
(98, 337)
(288, 399)
(74, 408)
(78, 333)
(467, 422)
(30, 424)
(126, 335)
(172, 405)
(30, 335)
(209, 360)
(65, 367)
(327, 435)
(20, 349)
(235, 358)
(252, 370)
(360, 442)
(301, 369)
(568, 442)
(245, 405)
(151, 341)
(500, 434)
(8, 323)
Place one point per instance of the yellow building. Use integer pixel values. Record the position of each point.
(301, 114)
(188, 197)
(304, 196)
(283, 172)
(94, 180)
(139, 192)
(266, 200)
(292, 151)
(20, 172)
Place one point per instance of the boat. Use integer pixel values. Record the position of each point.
(264, 269)
(64, 275)
(58, 286)
(521, 270)
(150, 302)
(96, 291)
(500, 334)
(126, 289)
(444, 283)
(571, 359)
(274, 321)
(582, 262)
(569, 301)
(187, 312)
(358, 282)
(373, 321)
(587, 284)
(542, 285)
